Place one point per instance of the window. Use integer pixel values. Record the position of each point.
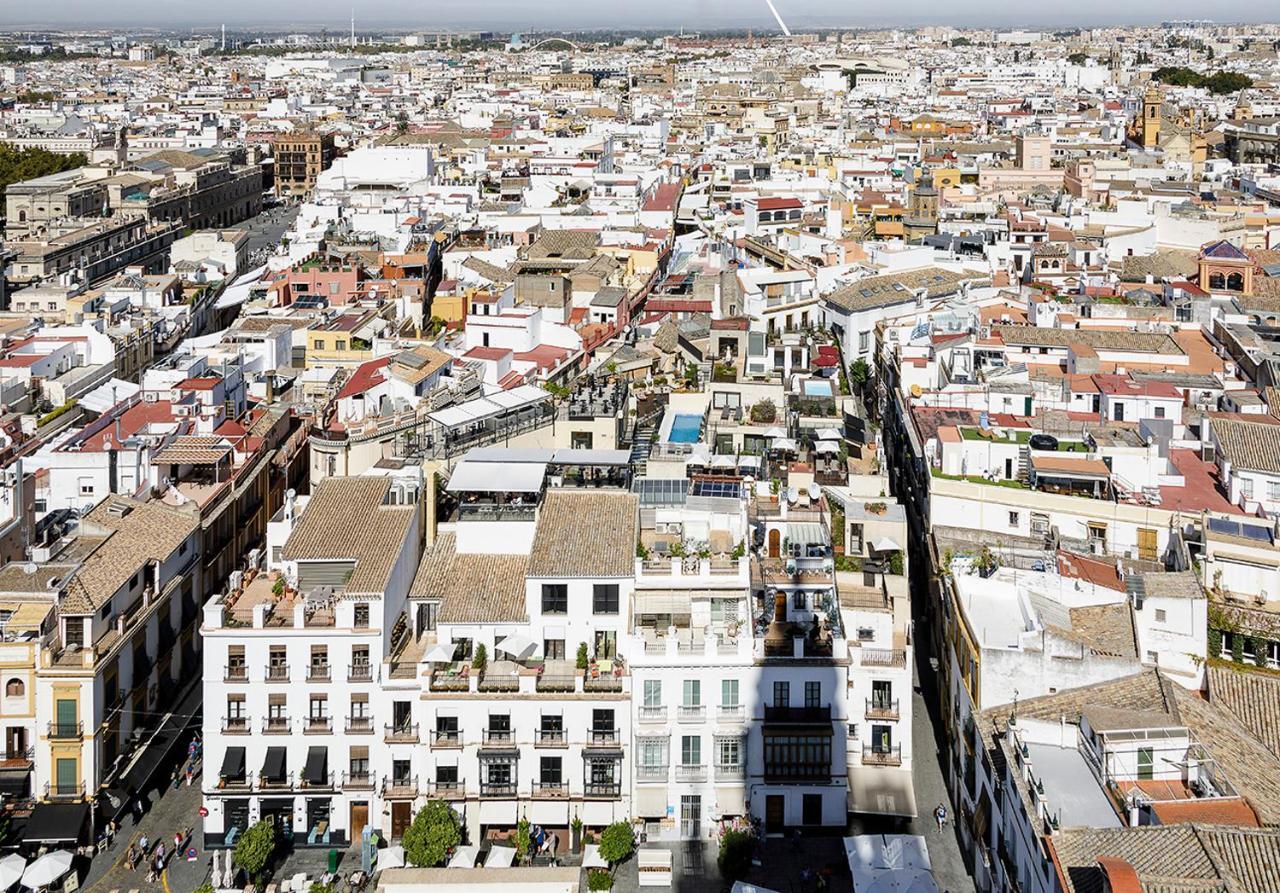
(1161, 615)
(550, 773)
(319, 707)
(1013, 519)
(728, 752)
(359, 706)
(361, 619)
(339, 344)
(86, 486)
(781, 694)
(555, 598)
(692, 692)
(1159, 410)
(653, 693)
(1246, 488)
(813, 694)
(553, 649)
(653, 752)
(604, 599)
(724, 610)
(864, 342)
(729, 693)
(14, 688)
(691, 750)
(235, 710)
(798, 601)
(1273, 490)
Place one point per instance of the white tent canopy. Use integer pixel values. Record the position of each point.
(784, 443)
(890, 863)
(440, 654)
(829, 434)
(391, 857)
(826, 446)
(886, 544)
(11, 869)
(591, 857)
(775, 432)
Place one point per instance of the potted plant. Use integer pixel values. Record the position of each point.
(480, 659)
(575, 834)
(584, 658)
(524, 838)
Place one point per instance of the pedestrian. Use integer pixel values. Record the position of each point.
(145, 843)
(941, 815)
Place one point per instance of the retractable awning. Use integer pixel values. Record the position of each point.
(233, 763)
(56, 823)
(273, 765)
(317, 769)
(806, 533)
(497, 477)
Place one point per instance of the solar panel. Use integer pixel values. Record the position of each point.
(732, 489)
(660, 491)
(1224, 526)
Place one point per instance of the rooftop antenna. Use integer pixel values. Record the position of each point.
(781, 24)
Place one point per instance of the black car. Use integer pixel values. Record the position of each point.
(1043, 442)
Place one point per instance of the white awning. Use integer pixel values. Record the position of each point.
(886, 544)
(748, 461)
(497, 477)
(774, 433)
(829, 434)
(497, 812)
(806, 533)
(650, 803)
(731, 800)
(723, 462)
(591, 457)
(826, 446)
(440, 654)
(784, 443)
(591, 852)
(518, 646)
(875, 789)
(663, 601)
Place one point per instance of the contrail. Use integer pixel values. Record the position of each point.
(781, 24)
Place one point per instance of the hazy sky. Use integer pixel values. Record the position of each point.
(507, 14)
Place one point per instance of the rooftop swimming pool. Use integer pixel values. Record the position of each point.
(685, 428)
(817, 388)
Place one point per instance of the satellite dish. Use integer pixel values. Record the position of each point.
(792, 494)
(815, 490)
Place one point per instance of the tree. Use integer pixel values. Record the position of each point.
(599, 880)
(432, 834)
(524, 838)
(481, 658)
(617, 842)
(1078, 58)
(17, 164)
(859, 372)
(255, 848)
(734, 860)
(961, 42)
(764, 412)
(583, 659)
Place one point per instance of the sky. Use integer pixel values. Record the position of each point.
(506, 15)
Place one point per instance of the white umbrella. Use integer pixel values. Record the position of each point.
(391, 857)
(775, 432)
(11, 870)
(591, 857)
(518, 646)
(885, 544)
(829, 434)
(784, 443)
(47, 869)
(465, 857)
(440, 654)
(723, 462)
(215, 873)
(748, 461)
(500, 857)
(826, 446)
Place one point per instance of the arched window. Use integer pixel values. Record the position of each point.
(1217, 280)
(14, 688)
(1235, 282)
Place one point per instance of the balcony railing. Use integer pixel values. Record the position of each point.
(325, 783)
(602, 737)
(598, 790)
(447, 790)
(882, 709)
(235, 725)
(275, 725)
(497, 789)
(444, 682)
(446, 738)
(318, 725)
(66, 730)
(653, 714)
(499, 736)
(498, 682)
(691, 772)
(652, 773)
(691, 712)
(282, 782)
(359, 725)
(731, 773)
(797, 715)
(550, 790)
(551, 738)
(236, 674)
(318, 672)
(401, 733)
(277, 673)
(242, 783)
(55, 791)
(400, 788)
(360, 673)
(357, 781)
(555, 682)
(731, 713)
(602, 683)
(880, 756)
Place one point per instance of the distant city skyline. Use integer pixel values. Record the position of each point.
(506, 15)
